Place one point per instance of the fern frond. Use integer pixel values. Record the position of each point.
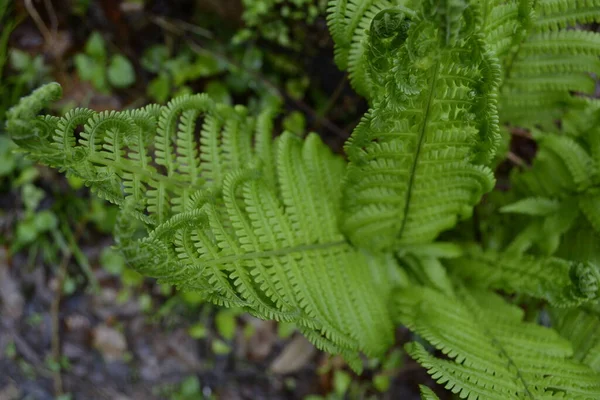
(349, 22)
(150, 154)
(19, 118)
(245, 220)
(546, 60)
(539, 206)
(563, 283)
(581, 243)
(504, 24)
(416, 157)
(562, 184)
(249, 247)
(582, 327)
(491, 353)
(557, 14)
(427, 393)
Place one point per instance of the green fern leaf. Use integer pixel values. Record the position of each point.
(246, 221)
(427, 393)
(349, 22)
(250, 247)
(544, 59)
(557, 14)
(582, 327)
(563, 283)
(491, 353)
(562, 184)
(416, 157)
(539, 206)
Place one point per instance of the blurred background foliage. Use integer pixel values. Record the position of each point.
(75, 321)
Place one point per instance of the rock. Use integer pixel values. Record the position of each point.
(294, 356)
(10, 392)
(261, 343)
(109, 342)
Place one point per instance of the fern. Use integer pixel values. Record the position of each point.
(544, 60)
(432, 126)
(427, 393)
(242, 236)
(494, 354)
(349, 23)
(582, 327)
(561, 282)
(212, 201)
(562, 187)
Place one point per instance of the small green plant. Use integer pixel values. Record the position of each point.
(273, 19)
(176, 72)
(281, 227)
(95, 65)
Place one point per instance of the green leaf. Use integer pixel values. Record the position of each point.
(44, 221)
(295, 122)
(486, 349)
(159, 88)
(26, 233)
(427, 393)
(226, 209)
(154, 58)
(341, 382)
(198, 331)
(381, 382)
(8, 161)
(218, 92)
(27, 175)
(296, 88)
(225, 320)
(220, 348)
(19, 60)
(203, 66)
(131, 277)
(69, 286)
(394, 360)
(112, 261)
(190, 386)
(561, 282)
(92, 70)
(285, 329)
(120, 72)
(31, 196)
(192, 299)
(417, 160)
(95, 47)
(533, 206)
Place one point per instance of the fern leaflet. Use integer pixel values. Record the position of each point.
(492, 353)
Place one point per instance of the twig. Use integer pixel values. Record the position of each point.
(69, 250)
(55, 311)
(28, 353)
(179, 27)
(81, 259)
(515, 159)
(38, 21)
(52, 16)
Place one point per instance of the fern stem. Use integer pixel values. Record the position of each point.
(274, 253)
(422, 135)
